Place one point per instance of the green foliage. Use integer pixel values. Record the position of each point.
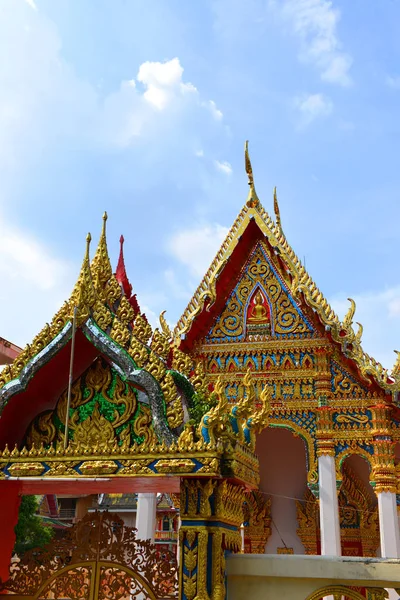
(200, 405)
(30, 531)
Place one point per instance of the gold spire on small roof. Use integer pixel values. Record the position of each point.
(101, 265)
(252, 198)
(83, 295)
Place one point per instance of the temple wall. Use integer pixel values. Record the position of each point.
(296, 577)
(283, 473)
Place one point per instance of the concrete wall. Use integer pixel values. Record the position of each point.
(264, 577)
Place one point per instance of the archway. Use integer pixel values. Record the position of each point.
(283, 473)
(358, 512)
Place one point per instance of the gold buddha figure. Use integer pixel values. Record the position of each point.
(258, 312)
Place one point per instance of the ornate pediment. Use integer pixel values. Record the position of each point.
(260, 306)
(104, 411)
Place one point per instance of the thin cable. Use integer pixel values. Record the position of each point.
(304, 501)
(279, 533)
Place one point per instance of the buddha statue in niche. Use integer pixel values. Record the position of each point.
(258, 312)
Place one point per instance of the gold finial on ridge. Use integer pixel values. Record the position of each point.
(252, 198)
(88, 240)
(277, 211)
(101, 266)
(83, 295)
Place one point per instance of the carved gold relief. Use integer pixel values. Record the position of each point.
(285, 317)
(257, 520)
(98, 390)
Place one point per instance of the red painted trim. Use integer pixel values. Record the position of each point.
(10, 501)
(116, 485)
(226, 282)
(43, 390)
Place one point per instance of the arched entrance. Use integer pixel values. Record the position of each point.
(358, 509)
(280, 451)
(99, 559)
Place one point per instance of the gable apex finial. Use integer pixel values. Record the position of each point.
(277, 211)
(252, 198)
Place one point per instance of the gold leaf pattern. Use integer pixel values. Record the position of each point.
(119, 332)
(138, 352)
(160, 344)
(285, 317)
(142, 329)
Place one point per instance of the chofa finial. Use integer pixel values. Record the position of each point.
(252, 198)
(88, 240)
(277, 211)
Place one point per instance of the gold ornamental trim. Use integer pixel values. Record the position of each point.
(301, 285)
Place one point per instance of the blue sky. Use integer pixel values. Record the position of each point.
(141, 108)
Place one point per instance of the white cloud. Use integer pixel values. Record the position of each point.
(163, 82)
(313, 106)
(315, 22)
(178, 290)
(379, 313)
(216, 113)
(32, 4)
(47, 110)
(34, 284)
(44, 102)
(223, 166)
(195, 248)
(393, 81)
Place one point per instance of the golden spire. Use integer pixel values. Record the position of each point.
(83, 295)
(101, 266)
(277, 212)
(252, 198)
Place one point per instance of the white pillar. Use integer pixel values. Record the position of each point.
(328, 506)
(388, 525)
(146, 516)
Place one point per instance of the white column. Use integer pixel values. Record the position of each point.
(388, 525)
(146, 516)
(328, 506)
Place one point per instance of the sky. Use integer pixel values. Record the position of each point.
(141, 108)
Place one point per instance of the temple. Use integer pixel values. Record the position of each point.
(257, 308)
(259, 417)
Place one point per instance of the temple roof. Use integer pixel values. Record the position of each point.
(107, 323)
(252, 221)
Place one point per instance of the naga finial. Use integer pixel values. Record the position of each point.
(252, 198)
(277, 212)
(165, 327)
(396, 368)
(359, 333)
(348, 319)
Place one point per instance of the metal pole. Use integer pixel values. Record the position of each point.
(70, 380)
